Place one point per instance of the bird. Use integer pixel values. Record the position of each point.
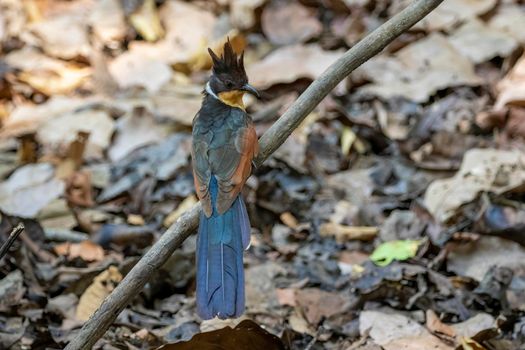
(224, 144)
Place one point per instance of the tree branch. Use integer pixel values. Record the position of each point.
(15, 232)
(159, 253)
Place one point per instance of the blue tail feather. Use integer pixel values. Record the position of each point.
(220, 272)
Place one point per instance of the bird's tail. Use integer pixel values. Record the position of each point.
(220, 272)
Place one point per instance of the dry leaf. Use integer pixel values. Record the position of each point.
(92, 298)
(474, 325)
(64, 36)
(426, 341)
(47, 75)
(286, 296)
(510, 19)
(511, 90)
(86, 250)
(449, 13)
(185, 37)
(481, 43)
(299, 324)
(108, 21)
(282, 65)
(487, 170)
(242, 12)
(180, 108)
(59, 132)
(57, 215)
(29, 189)
(136, 68)
(146, 21)
(437, 327)
(286, 23)
(475, 259)
(317, 304)
(27, 118)
(383, 328)
(418, 71)
(135, 130)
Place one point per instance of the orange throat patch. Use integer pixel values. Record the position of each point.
(232, 98)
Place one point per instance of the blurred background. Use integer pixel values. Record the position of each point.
(421, 147)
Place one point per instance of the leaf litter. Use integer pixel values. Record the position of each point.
(391, 219)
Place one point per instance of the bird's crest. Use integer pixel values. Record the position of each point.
(228, 62)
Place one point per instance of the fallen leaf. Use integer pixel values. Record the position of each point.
(474, 325)
(246, 335)
(92, 298)
(481, 43)
(299, 324)
(286, 296)
(400, 250)
(11, 290)
(511, 89)
(402, 224)
(59, 132)
(482, 170)
(57, 215)
(86, 250)
(178, 107)
(343, 233)
(510, 19)
(475, 258)
(63, 305)
(48, 75)
(440, 329)
(185, 37)
(426, 341)
(260, 286)
(134, 68)
(27, 118)
(449, 13)
(63, 36)
(317, 304)
(383, 328)
(29, 189)
(286, 23)
(418, 71)
(243, 14)
(14, 18)
(146, 21)
(282, 66)
(108, 21)
(134, 130)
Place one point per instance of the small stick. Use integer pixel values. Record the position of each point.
(15, 232)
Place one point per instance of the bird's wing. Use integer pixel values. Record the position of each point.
(201, 169)
(232, 163)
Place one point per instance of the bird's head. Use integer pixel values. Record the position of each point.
(229, 81)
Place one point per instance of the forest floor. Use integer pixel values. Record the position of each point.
(392, 218)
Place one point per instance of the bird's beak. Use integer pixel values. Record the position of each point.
(250, 89)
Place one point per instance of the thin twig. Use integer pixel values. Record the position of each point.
(159, 253)
(15, 232)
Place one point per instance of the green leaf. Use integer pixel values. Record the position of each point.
(387, 252)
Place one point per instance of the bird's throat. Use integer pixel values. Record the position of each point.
(232, 98)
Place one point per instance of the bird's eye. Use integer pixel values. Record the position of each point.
(229, 84)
